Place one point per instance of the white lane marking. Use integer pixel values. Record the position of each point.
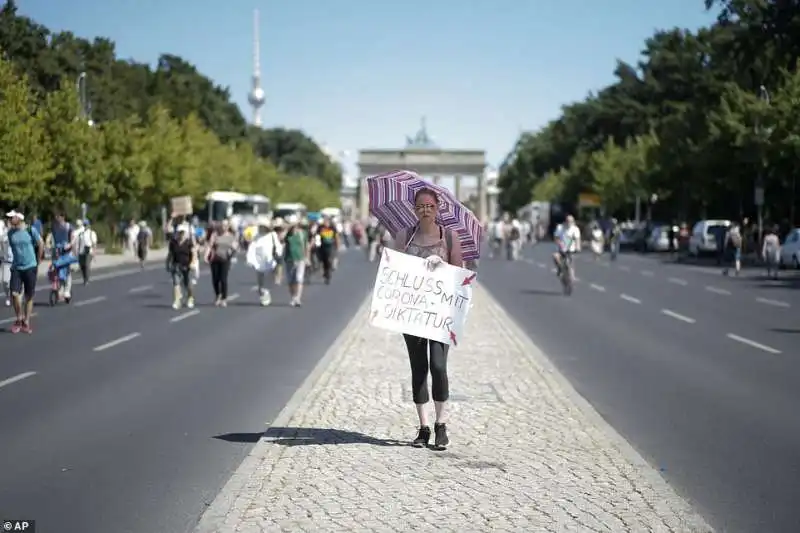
(254, 288)
(678, 281)
(630, 299)
(143, 288)
(648, 273)
(109, 275)
(116, 342)
(18, 377)
(599, 288)
(90, 301)
(12, 319)
(233, 297)
(678, 316)
(752, 343)
(625, 268)
(703, 270)
(184, 316)
(553, 270)
(776, 303)
(717, 290)
(541, 265)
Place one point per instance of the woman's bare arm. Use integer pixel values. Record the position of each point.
(456, 257)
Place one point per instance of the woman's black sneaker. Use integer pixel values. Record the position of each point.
(440, 441)
(423, 437)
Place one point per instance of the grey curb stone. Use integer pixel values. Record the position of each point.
(529, 454)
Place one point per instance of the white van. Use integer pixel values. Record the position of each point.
(705, 236)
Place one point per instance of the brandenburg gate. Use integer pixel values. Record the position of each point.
(421, 156)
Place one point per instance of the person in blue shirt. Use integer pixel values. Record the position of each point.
(62, 235)
(27, 248)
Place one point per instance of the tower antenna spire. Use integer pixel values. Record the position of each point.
(256, 96)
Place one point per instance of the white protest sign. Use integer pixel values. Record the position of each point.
(409, 298)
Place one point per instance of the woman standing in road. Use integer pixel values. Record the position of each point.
(219, 252)
(436, 245)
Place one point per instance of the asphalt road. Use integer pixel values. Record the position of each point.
(120, 414)
(698, 371)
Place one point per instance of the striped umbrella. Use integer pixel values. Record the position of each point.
(391, 201)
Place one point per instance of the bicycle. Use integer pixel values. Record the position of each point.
(567, 273)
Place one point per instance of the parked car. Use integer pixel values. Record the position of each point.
(627, 239)
(790, 250)
(705, 236)
(658, 240)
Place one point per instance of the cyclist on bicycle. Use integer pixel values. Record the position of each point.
(568, 240)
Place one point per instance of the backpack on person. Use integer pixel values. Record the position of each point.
(35, 243)
(735, 238)
(142, 236)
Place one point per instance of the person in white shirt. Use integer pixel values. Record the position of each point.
(6, 258)
(568, 240)
(598, 241)
(84, 242)
(513, 239)
(262, 256)
(131, 237)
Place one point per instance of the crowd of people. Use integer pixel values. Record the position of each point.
(283, 251)
(278, 252)
(22, 249)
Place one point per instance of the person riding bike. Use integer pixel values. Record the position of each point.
(568, 240)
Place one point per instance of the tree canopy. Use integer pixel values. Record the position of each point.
(154, 132)
(697, 124)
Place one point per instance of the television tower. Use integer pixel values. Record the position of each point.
(256, 96)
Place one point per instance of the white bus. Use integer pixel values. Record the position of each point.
(262, 208)
(332, 212)
(285, 210)
(238, 207)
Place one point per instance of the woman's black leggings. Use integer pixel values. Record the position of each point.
(418, 356)
(219, 277)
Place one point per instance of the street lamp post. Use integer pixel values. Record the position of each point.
(759, 188)
(85, 112)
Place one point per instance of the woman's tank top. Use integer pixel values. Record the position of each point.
(223, 247)
(439, 248)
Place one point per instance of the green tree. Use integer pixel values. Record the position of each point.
(25, 168)
(701, 95)
(165, 145)
(75, 150)
(193, 137)
(126, 172)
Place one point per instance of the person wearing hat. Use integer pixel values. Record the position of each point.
(27, 248)
(180, 257)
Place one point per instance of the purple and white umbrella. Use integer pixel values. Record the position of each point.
(391, 201)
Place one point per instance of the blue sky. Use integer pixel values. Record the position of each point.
(360, 73)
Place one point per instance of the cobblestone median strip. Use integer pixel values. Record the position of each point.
(528, 453)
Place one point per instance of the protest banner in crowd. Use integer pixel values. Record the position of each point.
(409, 298)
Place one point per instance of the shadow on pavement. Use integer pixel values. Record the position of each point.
(256, 303)
(780, 284)
(542, 292)
(785, 330)
(287, 436)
